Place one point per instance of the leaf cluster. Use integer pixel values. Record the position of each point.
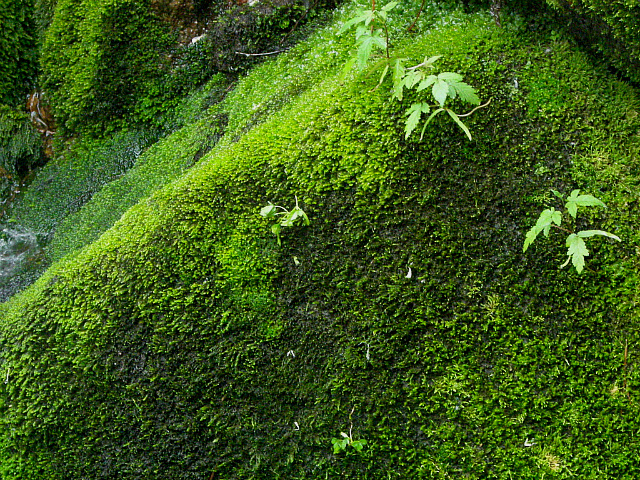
(443, 86)
(284, 217)
(342, 444)
(576, 246)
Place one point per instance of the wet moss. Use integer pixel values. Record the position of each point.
(184, 343)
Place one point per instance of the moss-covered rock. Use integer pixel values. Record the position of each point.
(184, 343)
(17, 51)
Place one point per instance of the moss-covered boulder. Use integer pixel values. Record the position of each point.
(185, 343)
(17, 51)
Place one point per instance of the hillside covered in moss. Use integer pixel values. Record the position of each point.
(158, 329)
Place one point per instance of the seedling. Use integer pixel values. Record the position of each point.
(577, 248)
(284, 217)
(445, 85)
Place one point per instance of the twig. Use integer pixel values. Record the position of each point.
(260, 54)
(417, 17)
(477, 108)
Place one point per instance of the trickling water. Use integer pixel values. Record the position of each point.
(20, 252)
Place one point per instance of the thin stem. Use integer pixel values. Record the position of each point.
(477, 108)
(417, 17)
(562, 228)
(386, 33)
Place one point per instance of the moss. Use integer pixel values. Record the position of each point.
(17, 51)
(184, 343)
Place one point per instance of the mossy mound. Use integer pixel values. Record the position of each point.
(184, 343)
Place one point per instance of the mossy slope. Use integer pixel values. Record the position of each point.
(185, 343)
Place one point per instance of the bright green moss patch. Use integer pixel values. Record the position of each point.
(184, 343)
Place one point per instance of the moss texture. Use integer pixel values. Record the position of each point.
(185, 344)
(17, 51)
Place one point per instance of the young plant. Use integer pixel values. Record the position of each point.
(342, 444)
(444, 86)
(576, 246)
(284, 217)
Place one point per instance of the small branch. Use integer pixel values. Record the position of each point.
(417, 17)
(260, 54)
(561, 228)
(477, 108)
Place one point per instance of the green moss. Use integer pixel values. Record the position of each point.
(185, 343)
(17, 51)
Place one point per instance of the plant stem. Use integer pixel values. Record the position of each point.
(386, 34)
(477, 108)
(417, 17)
(562, 228)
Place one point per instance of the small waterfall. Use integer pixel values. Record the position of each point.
(20, 251)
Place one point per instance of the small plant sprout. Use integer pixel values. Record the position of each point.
(284, 217)
(345, 441)
(444, 86)
(576, 246)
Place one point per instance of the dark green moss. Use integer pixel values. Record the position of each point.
(186, 344)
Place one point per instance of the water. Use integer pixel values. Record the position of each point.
(21, 253)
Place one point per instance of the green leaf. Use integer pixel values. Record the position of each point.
(412, 77)
(557, 194)
(367, 42)
(577, 251)
(269, 211)
(547, 217)
(384, 74)
(591, 233)
(398, 77)
(389, 6)
(428, 62)
(426, 83)
(362, 16)
(450, 76)
(459, 122)
(530, 237)
(358, 445)
(575, 199)
(466, 92)
(440, 91)
(347, 68)
(429, 120)
(415, 111)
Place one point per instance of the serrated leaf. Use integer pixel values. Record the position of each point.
(426, 83)
(577, 251)
(361, 17)
(398, 76)
(530, 237)
(347, 68)
(466, 92)
(412, 77)
(428, 62)
(546, 218)
(450, 77)
(415, 112)
(459, 122)
(440, 91)
(389, 6)
(575, 199)
(591, 233)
